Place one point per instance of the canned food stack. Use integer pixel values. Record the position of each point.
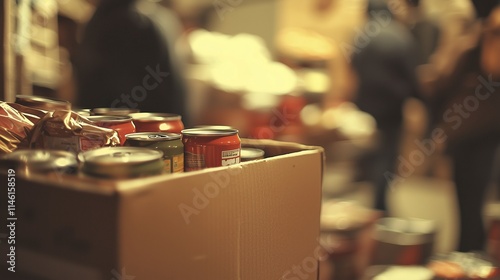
(113, 142)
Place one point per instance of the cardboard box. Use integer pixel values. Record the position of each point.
(254, 220)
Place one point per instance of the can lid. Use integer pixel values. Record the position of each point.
(43, 103)
(210, 132)
(251, 153)
(218, 127)
(401, 231)
(152, 136)
(120, 156)
(155, 116)
(109, 119)
(113, 111)
(39, 160)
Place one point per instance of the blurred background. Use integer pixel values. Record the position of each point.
(360, 78)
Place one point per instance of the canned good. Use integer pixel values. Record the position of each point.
(205, 148)
(43, 103)
(169, 143)
(157, 122)
(403, 241)
(122, 162)
(248, 154)
(123, 125)
(113, 111)
(40, 161)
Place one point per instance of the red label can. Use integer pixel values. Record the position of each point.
(122, 124)
(157, 122)
(204, 148)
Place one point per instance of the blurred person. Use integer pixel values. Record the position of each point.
(458, 31)
(465, 107)
(385, 68)
(424, 29)
(125, 60)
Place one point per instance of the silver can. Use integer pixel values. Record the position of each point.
(122, 162)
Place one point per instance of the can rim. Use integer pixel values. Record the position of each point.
(251, 153)
(40, 100)
(147, 136)
(109, 119)
(146, 117)
(41, 159)
(211, 132)
(120, 156)
(113, 111)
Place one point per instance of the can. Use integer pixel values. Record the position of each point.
(248, 154)
(122, 162)
(42, 103)
(123, 125)
(403, 241)
(157, 122)
(40, 161)
(113, 111)
(205, 148)
(169, 143)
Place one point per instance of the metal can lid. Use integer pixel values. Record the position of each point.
(209, 132)
(120, 156)
(218, 127)
(152, 136)
(155, 116)
(43, 103)
(251, 153)
(113, 111)
(39, 160)
(109, 119)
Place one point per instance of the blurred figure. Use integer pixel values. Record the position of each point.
(424, 29)
(385, 67)
(125, 61)
(465, 105)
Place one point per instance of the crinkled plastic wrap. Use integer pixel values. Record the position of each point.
(34, 115)
(14, 128)
(68, 131)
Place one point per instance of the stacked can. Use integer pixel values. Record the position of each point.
(169, 143)
(157, 122)
(206, 147)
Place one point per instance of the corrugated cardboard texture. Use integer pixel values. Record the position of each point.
(255, 220)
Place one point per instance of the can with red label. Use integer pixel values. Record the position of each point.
(157, 122)
(204, 148)
(121, 124)
(169, 143)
